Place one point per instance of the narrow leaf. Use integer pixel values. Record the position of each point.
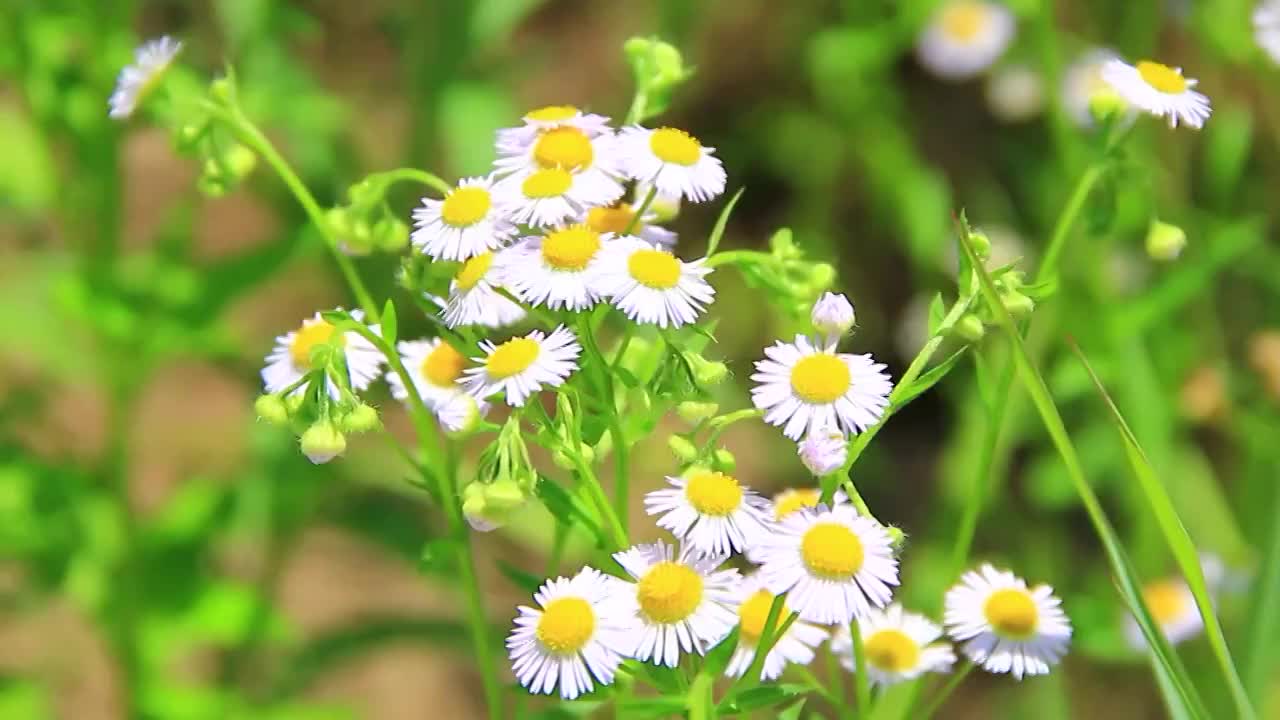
(717, 232)
(389, 323)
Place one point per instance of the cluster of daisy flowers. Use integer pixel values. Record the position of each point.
(825, 565)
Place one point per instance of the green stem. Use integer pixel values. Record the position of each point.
(945, 692)
(855, 497)
(415, 175)
(621, 480)
(1066, 220)
(861, 683)
(644, 207)
(977, 488)
(733, 257)
(601, 500)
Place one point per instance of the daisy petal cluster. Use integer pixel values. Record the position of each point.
(150, 61)
(964, 38)
(1005, 626)
(898, 645)
(1159, 90)
(296, 354)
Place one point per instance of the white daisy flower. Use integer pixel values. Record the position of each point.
(651, 286)
(1083, 87)
(596, 159)
(617, 218)
(521, 366)
(787, 503)
(466, 223)
(678, 603)
(550, 196)
(805, 386)
(796, 645)
(1174, 609)
(832, 315)
(474, 298)
(460, 414)
(898, 645)
(290, 359)
(711, 512)
(823, 451)
(964, 38)
(833, 564)
(1159, 90)
(1015, 93)
(673, 161)
(558, 270)
(1004, 626)
(1266, 28)
(150, 61)
(434, 366)
(570, 638)
(513, 141)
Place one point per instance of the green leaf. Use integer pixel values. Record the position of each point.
(765, 696)
(718, 659)
(930, 378)
(565, 508)
(937, 311)
(717, 232)
(793, 712)
(439, 557)
(662, 707)
(389, 322)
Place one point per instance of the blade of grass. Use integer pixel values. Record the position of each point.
(1126, 578)
(1179, 541)
(1261, 655)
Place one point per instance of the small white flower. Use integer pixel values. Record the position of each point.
(569, 638)
(711, 512)
(964, 38)
(290, 360)
(150, 61)
(513, 141)
(595, 159)
(1159, 90)
(1015, 93)
(805, 386)
(1083, 87)
(558, 270)
(898, 645)
(823, 451)
(466, 223)
(832, 315)
(1266, 28)
(616, 218)
(1004, 626)
(673, 161)
(679, 603)
(433, 365)
(550, 196)
(788, 502)
(651, 286)
(474, 298)
(1174, 609)
(796, 645)
(833, 564)
(521, 366)
(460, 414)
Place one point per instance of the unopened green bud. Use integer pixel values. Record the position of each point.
(707, 372)
(970, 328)
(293, 403)
(222, 90)
(981, 244)
(682, 448)
(475, 511)
(1105, 104)
(782, 246)
(821, 276)
(188, 135)
(656, 65)
(212, 181)
(238, 161)
(502, 495)
(1017, 304)
(362, 418)
(322, 442)
(563, 460)
(695, 412)
(338, 221)
(723, 461)
(1164, 241)
(390, 234)
(896, 536)
(272, 409)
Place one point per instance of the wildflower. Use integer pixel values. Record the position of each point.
(550, 196)
(521, 366)
(150, 61)
(595, 159)
(792, 500)
(673, 161)
(651, 286)
(569, 638)
(474, 298)
(618, 217)
(832, 316)
(898, 645)
(460, 414)
(679, 602)
(1015, 93)
(803, 385)
(796, 645)
(1084, 91)
(833, 564)
(1174, 609)
(1266, 28)
(557, 270)
(1006, 627)
(1159, 90)
(711, 512)
(322, 442)
(665, 205)
(434, 366)
(964, 38)
(292, 357)
(823, 451)
(466, 223)
(513, 141)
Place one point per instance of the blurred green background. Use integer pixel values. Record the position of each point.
(163, 555)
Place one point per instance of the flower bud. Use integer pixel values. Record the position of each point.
(706, 372)
(782, 246)
(896, 536)
(272, 409)
(821, 276)
(695, 412)
(473, 509)
(832, 315)
(390, 234)
(823, 451)
(1106, 105)
(969, 328)
(362, 418)
(981, 244)
(294, 402)
(237, 162)
(223, 90)
(1164, 241)
(503, 495)
(322, 442)
(682, 448)
(1018, 305)
(461, 415)
(723, 461)
(664, 206)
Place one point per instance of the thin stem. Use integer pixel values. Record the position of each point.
(601, 501)
(861, 683)
(1066, 220)
(854, 496)
(812, 681)
(644, 207)
(415, 175)
(945, 692)
(636, 112)
(732, 257)
(977, 488)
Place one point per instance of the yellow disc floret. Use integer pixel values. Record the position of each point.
(571, 248)
(1162, 77)
(546, 183)
(713, 493)
(443, 366)
(552, 113)
(892, 651)
(964, 20)
(307, 337)
(669, 592)
(566, 625)
(1012, 612)
(465, 206)
(563, 147)
(512, 357)
(831, 550)
(657, 269)
(610, 219)
(675, 146)
(753, 613)
(473, 271)
(789, 501)
(1167, 600)
(820, 379)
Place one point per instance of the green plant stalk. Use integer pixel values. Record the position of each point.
(945, 691)
(977, 487)
(769, 635)
(861, 684)
(1066, 220)
(622, 476)
(417, 176)
(644, 207)
(1266, 612)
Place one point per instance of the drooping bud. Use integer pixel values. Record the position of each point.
(694, 412)
(833, 315)
(322, 442)
(362, 418)
(684, 450)
(723, 461)
(981, 244)
(706, 372)
(1018, 305)
(503, 495)
(1164, 241)
(823, 451)
(272, 409)
(969, 328)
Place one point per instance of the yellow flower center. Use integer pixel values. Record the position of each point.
(669, 592)
(546, 183)
(753, 613)
(443, 366)
(473, 270)
(571, 248)
(1166, 600)
(964, 20)
(820, 379)
(610, 219)
(307, 337)
(1012, 612)
(713, 493)
(789, 501)
(831, 550)
(892, 651)
(566, 625)
(465, 206)
(675, 146)
(563, 147)
(1162, 77)
(552, 113)
(657, 269)
(511, 357)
